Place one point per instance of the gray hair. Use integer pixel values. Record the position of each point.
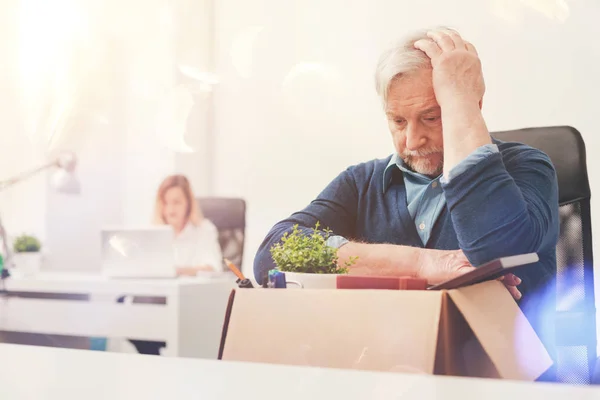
(400, 59)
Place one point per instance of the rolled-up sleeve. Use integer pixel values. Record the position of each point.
(472, 159)
(499, 211)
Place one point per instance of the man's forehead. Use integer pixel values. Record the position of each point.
(414, 92)
(395, 108)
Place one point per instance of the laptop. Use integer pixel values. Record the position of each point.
(138, 252)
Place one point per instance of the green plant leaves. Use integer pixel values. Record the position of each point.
(308, 253)
(26, 244)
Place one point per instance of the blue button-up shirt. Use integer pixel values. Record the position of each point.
(424, 195)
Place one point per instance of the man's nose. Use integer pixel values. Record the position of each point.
(415, 138)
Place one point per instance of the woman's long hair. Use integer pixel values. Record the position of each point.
(194, 213)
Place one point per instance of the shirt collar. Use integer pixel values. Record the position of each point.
(397, 162)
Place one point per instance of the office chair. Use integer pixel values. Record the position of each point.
(229, 216)
(576, 312)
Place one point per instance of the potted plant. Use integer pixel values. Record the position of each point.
(27, 256)
(306, 258)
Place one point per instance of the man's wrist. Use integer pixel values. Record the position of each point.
(456, 105)
(462, 125)
(414, 255)
(464, 130)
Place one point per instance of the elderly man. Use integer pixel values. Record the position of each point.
(451, 197)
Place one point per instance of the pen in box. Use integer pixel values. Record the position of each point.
(242, 282)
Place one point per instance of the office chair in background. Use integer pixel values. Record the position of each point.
(576, 310)
(229, 216)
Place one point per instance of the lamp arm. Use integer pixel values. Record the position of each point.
(25, 175)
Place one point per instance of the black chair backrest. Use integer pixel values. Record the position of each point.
(576, 315)
(229, 216)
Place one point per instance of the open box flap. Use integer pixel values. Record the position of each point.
(503, 330)
(366, 329)
(459, 352)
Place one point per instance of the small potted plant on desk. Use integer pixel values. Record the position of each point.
(307, 259)
(27, 256)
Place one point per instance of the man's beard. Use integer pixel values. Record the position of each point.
(422, 165)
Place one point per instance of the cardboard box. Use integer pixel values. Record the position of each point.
(474, 331)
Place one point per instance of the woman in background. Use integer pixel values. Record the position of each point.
(196, 243)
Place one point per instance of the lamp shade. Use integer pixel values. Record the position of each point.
(65, 182)
(67, 161)
(63, 178)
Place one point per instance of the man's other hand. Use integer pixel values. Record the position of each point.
(438, 266)
(511, 282)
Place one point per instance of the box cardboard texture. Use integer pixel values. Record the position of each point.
(474, 331)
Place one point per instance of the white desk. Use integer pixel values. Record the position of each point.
(28, 372)
(190, 322)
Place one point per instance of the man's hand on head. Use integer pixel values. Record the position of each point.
(457, 75)
(458, 86)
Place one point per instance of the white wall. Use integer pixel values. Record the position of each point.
(18, 150)
(195, 48)
(284, 130)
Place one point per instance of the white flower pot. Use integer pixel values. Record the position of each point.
(27, 264)
(311, 281)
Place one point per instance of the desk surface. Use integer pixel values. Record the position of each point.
(28, 372)
(86, 283)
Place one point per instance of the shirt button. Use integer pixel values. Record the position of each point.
(422, 226)
(434, 184)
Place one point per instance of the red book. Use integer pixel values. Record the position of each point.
(380, 282)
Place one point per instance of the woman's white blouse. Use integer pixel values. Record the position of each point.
(198, 245)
